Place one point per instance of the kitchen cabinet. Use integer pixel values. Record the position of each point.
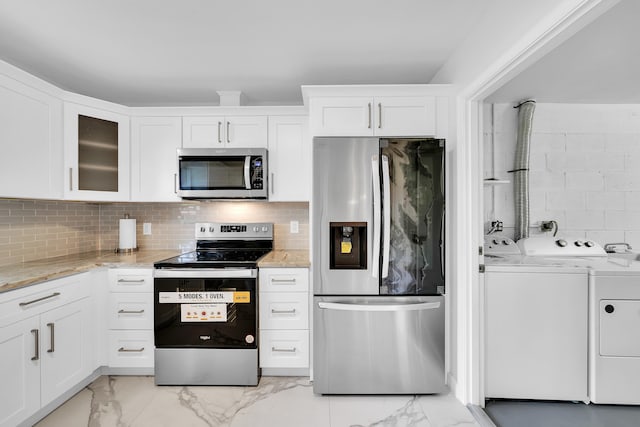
(373, 115)
(284, 319)
(31, 135)
(130, 347)
(224, 132)
(46, 344)
(289, 159)
(154, 164)
(97, 154)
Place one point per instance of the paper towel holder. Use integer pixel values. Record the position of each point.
(127, 250)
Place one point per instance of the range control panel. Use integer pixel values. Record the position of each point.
(214, 230)
(559, 246)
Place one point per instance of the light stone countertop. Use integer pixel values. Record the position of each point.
(285, 259)
(32, 272)
(17, 276)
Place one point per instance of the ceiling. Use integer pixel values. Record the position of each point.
(162, 52)
(599, 65)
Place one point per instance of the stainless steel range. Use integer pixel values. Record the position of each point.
(206, 308)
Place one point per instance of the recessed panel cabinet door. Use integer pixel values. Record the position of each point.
(65, 338)
(289, 159)
(342, 116)
(19, 371)
(405, 116)
(154, 160)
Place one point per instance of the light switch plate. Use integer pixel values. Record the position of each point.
(294, 227)
(146, 228)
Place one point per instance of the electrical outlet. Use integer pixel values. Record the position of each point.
(146, 228)
(294, 227)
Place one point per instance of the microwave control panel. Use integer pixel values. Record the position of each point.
(256, 173)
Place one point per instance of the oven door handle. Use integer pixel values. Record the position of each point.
(206, 273)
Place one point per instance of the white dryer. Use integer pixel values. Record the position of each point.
(614, 348)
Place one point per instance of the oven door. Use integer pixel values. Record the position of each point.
(205, 308)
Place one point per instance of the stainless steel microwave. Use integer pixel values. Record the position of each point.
(222, 173)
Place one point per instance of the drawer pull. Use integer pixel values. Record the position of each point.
(36, 334)
(131, 281)
(130, 311)
(52, 327)
(292, 311)
(23, 304)
(283, 280)
(130, 350)
(283, 350)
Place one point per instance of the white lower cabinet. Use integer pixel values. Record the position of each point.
(130, 321)
(46, 334)
(284, 319)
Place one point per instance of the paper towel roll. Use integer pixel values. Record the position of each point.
(127, 234)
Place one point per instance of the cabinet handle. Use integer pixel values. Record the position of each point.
(283, 280)
(369, 107)
(130, 350)
(273, 183)
(292, 311)
(175, 183)
(228, 136)
(219, 136)
(70, 179)
(130, 281)
(52, 329)
(379, 115)
(24, 304)
(130, 311)
(36, 333)
(283, 350)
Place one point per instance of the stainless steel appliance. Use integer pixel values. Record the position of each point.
(378, 275)
(222, 173)
(205, 308)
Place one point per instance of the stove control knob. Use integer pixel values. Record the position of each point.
(211, 229)
(578, 243)
(203, 229)
(256, 229)
(265, 228)
(561, 242)
(589, 244)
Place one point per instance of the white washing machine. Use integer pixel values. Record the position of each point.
(536, 318)
(614, 348)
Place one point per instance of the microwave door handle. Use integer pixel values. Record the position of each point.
(247, 172)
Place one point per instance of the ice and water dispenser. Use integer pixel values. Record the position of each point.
(348, 246)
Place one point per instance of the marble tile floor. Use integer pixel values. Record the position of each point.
(125, 401)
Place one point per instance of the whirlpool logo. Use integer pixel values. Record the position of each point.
(205, 337)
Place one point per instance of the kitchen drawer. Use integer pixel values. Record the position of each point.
(284, 279)
(131, 280)
(284, 310)
(130, 349)
(129, 310)
(42, 297)
(284, 349)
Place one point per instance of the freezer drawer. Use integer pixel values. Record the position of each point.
(379, 345)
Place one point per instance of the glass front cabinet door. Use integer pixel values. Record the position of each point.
(96, 154)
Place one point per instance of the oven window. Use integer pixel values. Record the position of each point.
(206, 173)
(209, 313)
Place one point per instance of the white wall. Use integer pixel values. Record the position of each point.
(584, 169)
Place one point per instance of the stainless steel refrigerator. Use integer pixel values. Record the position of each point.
(378, 266)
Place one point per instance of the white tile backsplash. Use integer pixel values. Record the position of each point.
(584, 169)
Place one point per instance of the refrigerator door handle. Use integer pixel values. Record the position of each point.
(386, 216)
(375, 175)
(379, 307)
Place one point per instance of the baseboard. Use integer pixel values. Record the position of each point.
(481, 416)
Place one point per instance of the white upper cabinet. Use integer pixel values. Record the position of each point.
(289, 159)
(378, 116)
(31, 135)
(96, 154)
(154, 165)
(378, 110)
(224, 132)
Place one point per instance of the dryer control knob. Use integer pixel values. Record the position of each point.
(589, 244)
(609, 308)
(505, 242)
(496, 242)
(561, 242)
(578, 243)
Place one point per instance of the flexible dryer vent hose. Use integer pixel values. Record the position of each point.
(521, 168)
